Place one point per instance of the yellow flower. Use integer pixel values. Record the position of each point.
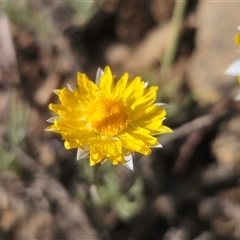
(237, 39)
(234, 68)
(109, 120)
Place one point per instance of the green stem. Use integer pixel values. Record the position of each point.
(96, 170)
(176, 26)
(93, 188)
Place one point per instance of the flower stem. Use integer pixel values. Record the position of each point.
(93, 188)
(96, 170)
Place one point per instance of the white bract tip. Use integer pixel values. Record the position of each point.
(98, 75)
(56, 91)
(81, 153)
(145, 85)
(162, 105)
(238, 28)
(157, 146)
(233, 69)
(52, 119)
(71, 88)
(129, 162)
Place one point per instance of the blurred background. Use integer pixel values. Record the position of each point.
(190, 189)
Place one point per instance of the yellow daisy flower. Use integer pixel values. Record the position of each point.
(237, 39)
(234, 68)
(109, 120)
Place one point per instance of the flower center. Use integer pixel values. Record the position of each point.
(108, 116)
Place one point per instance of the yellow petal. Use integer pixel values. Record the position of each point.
(86, 87)
(143, 134)
(237, 39)
(133, 144)
(106, 82)
(154, 116)
(71, 144)
(143, 113)
(134, 84)
(147, 99)
(57, 107)
(165, 129)
(72, 100)
(120, 86)
(74, 125)
(152, 122)
(103, 149)
(52, 128)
